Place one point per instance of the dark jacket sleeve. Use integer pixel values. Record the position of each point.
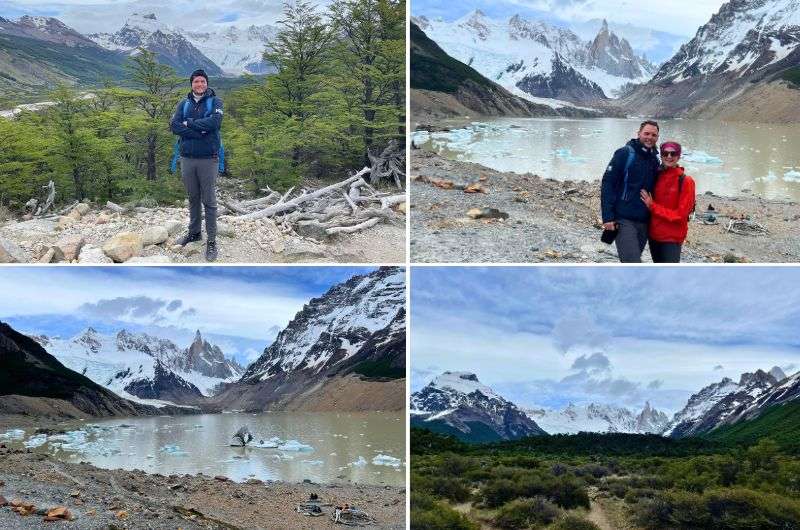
(177, 126)
(609, 187)
(211, 123)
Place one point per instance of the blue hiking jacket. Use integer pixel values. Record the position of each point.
(620, 196)
(200, 136)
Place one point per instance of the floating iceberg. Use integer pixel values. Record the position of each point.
(13, 434)
(361, 462)
(420, 137)
(312, 462)
(792, 176)
(771, 177)
(36, 441)
(272, 443)
(174, 450)
(701, 157)
(294, 445)
(386, 460)
(567, 156)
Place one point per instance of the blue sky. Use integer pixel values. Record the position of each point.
(90, 16)
(548, 336)
(239, 308)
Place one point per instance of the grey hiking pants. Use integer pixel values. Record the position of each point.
(631, 240)
(200, 179)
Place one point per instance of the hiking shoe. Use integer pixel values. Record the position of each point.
(189, 238)
(211, 251)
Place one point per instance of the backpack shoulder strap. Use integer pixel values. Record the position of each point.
(681, 178)
(628, 164)
(185, 108)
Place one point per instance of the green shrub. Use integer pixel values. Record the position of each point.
(429, 514)
(725, 509)
(526, 513)
(573, 522)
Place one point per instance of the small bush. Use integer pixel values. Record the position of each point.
(573, 522)
(526, 513)
(429, 514)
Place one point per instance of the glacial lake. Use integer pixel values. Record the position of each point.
(723, 157)
(366, 448)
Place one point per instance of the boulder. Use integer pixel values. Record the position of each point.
(486, 213)
(312, 229)
(52, 255)
(75, 214)
(173, 227)
(102, 218)
(123, 246)
(65, 222)
(150, 259)
(82, 208)
(59, 512)
(91, 254)
(70, 247)
(10, 252)
(192, 248)
(154, 235)
(224, 229)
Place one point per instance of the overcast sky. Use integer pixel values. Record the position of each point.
(550, 336)
(242, 308)
(98, 16)
(682, 17)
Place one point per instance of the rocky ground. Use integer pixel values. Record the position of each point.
(94, 234)
(35, 484)
(465, 212)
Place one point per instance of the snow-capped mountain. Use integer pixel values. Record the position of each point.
(236, 50)
(537, 60)
(458, 403)
(331, 329)
(169, 44)
(353, 334)
(44, 28)
(720, 403)
(732, 66)
(599, 418)
(138, 365)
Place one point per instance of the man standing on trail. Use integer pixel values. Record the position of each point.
(632, 169)
(197, 121)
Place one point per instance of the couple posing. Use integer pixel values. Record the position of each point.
(643, 199)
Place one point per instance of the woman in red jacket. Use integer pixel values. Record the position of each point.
(670, 206)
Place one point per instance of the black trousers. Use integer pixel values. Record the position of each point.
(631, 240)
(665, 252)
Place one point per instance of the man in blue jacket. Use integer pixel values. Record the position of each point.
(197, 121)
(632, 169)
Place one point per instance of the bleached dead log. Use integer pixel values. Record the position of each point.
(114, 207)
(232, 206)
(389, 165)
(67, 209)
(294, 203)
(49, 200)
(388, 202)
(354, 228)
(350, 202)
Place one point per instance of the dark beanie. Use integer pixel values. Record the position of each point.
(199, 72)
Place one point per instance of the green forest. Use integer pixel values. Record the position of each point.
(731, 480)
(338, 94)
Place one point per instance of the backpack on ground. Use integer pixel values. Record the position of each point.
(176, 153)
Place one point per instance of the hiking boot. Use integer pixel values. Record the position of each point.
(189, 238)
(211, 251)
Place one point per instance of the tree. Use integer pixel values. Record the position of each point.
(73, 144)
(155, 97)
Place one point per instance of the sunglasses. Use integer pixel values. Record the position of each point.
(669, 153)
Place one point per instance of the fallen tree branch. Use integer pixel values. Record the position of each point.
(355, 228)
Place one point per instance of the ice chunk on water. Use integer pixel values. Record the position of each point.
(174, 450)
(361, 462)
(566, 155)
(13, 434)
(386, 460)
(420, 137)
(294, 445)
(272, 443)
(792, 176)
(701, 157)
(312, 462)
(771, 177)
(36, 441)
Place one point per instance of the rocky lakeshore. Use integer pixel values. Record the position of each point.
(465, 212)
(36, 486)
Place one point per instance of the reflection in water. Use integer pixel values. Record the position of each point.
(722, 157)
(365, 448)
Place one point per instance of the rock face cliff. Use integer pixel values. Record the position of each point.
(356, 331)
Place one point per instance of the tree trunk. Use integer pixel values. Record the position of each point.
(151, 156)
(76, 180)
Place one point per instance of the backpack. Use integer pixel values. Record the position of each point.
(176, 153)
(681, 178)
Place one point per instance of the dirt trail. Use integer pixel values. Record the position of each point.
(597, 514)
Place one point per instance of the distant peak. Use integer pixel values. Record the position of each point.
(605, 26)
(478, 13)
(777, 373)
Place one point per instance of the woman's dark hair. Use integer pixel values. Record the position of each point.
(649, 122)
